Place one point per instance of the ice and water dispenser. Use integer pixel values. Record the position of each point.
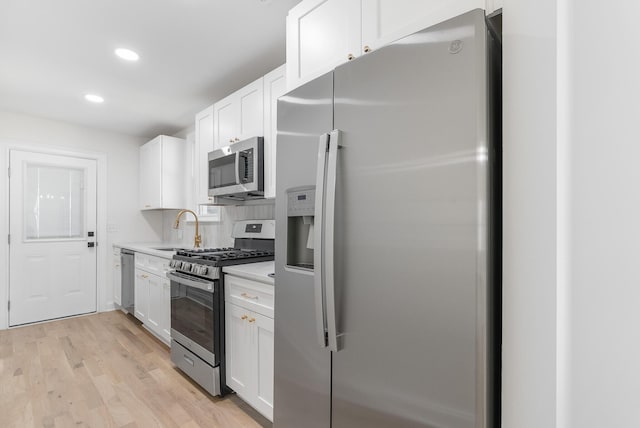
(300, 213)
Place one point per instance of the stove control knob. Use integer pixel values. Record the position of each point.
(204, 270)
(186, 266)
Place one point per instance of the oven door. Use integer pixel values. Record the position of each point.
(194, 314)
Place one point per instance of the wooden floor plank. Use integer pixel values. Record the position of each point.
(103, 370)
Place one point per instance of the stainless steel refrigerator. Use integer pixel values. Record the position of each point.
(387, 237)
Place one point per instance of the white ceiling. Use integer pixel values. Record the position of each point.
(192, 53)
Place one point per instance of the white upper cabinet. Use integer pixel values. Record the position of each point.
(239, 116)
(275, 85)
(151, 175)
(226, 121)
(161, 174)
(250, 101)
(384, 21)
(322, 34)
(204, 144)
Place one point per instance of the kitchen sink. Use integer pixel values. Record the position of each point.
(165, 249)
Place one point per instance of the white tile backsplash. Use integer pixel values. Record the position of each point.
(213, 234)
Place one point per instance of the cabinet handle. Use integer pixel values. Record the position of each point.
(249, 296)
(237, 139)
(117, 265)
(350, 57)
(366, 49)
(244, 317)
(147, 206)
(231, 140)
(252, 320)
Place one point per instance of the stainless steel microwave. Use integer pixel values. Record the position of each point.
(237, 171)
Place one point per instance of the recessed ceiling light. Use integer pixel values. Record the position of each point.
(94, 98)
(127, 54)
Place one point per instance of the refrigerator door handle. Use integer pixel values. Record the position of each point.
(318, 262)
(328, 244)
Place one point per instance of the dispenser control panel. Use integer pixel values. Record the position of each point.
(301, 202)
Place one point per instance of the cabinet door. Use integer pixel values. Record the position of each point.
(250, 102)
(262, 335)
(117, 280)
(384, 21)
(165, 326)
(238, 350)
(275, 85)
(156, 303)
(204, 144)
(141, 298)
(151, 174)
(173, 164)
(321, 34)
(225, 121)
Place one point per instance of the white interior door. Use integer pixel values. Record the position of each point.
(52, 212)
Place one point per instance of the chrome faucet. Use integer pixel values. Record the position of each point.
(197, 240)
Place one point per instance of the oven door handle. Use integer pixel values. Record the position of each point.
(191, 282)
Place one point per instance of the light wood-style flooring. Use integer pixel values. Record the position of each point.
(103, 370)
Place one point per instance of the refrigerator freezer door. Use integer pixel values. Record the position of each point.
(411, 232)
(302, 390)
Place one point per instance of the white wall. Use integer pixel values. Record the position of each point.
(530, 212)
(121, 155)
(600, 106)
(571, 307)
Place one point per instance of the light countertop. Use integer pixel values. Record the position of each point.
(151, 248)
(253, 271)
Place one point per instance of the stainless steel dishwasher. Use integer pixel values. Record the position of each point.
(128, 279)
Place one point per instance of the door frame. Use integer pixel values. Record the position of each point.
(101, 213)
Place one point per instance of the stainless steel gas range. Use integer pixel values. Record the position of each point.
(197, 301)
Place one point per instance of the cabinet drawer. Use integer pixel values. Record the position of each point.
(152, 264)
(248, 294)
(142, 260)
(157, 265)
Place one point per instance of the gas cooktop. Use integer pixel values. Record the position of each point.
(223, 256)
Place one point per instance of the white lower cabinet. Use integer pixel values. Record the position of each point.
(141, 295)
(153, 295)
(249, 343)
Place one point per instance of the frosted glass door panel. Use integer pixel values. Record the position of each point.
(54, 205)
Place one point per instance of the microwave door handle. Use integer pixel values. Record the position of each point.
(238, 167)
(328, 244)
(318, 262)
